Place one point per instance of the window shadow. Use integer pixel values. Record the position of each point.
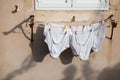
(110, 73)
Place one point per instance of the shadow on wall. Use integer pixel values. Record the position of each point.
(40, 48)
(26, 65)
(66, 56)
(87, 71)
(69, 73)
(110, 73)
(20, 27)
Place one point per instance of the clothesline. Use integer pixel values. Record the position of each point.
(73, 22)
(41, 23)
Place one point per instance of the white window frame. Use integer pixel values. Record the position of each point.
(73, 5)
(91, 4)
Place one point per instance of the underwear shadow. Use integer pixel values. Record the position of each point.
(66, 56)
(38, 46)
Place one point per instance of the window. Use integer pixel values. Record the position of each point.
(71, 4)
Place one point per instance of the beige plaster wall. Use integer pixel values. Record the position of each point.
(22, 60)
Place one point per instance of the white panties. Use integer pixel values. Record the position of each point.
(81, 39)
(98, 35)
(85, 38)
(57, 38)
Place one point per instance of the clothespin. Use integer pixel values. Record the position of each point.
(65, 27)
(73, 19)
(83, 28)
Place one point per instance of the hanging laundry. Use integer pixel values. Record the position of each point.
(98, 35)
(85, 38)
(81, 39)
(57, 38)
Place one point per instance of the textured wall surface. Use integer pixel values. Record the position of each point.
(22, 60)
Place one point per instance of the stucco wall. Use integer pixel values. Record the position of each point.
(22, 60)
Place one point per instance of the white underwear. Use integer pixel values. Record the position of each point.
(57, 38)
(82, 41)
(98, 35)
(85, 38)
